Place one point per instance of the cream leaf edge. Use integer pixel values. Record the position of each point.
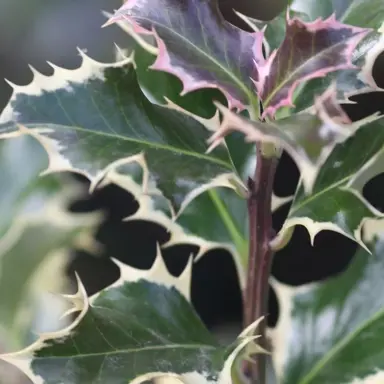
(354, 186)
(365, 75)
(372, 228)
(159, 274)
(48, 276)
(213, 124)
(88, 69)
(148, 211)
(57, 162)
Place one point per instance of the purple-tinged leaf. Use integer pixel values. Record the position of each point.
(309, 50)
(198, 46)
(308, 137)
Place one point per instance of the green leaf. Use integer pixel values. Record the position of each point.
(333, 331)
(96, 117)
(142, 326)
(336, 202)
(196, 44)
(216, 228)
(31, 265)
(362, 13)
(224, 221)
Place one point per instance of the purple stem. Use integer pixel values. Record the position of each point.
(260, 256)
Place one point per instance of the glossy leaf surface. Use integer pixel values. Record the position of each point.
(333, 331)
(141, 325)
(97, 115)
(336, 201)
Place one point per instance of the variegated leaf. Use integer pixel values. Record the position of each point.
(142, 327)
(336, 201)
(36, 236)
(96, 117)
(332, 331)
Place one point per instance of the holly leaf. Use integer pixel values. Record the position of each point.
(275, 29)
(332, 331)
(366, 14)
(309, 50)
(158, 86)
(355, 12)
(188, 227)
(96, 117)
(336, 202)
(198, 46)
(308, 137)
(348, 82)
(224, 221)
(141, 327)
(31, 265)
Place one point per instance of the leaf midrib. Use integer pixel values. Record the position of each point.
(132, 350)
(338, 347)
(155, 145)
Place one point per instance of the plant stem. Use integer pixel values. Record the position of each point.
(260, 254)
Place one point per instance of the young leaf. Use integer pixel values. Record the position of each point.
(349, 82)
(309, 50)
(30, 264)
(336, 202)
(96, 116)
(366, 14)
(332, 332)
(308, 137)
(197, 45)
(274, 29)
(159, 87)
(141, 327)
